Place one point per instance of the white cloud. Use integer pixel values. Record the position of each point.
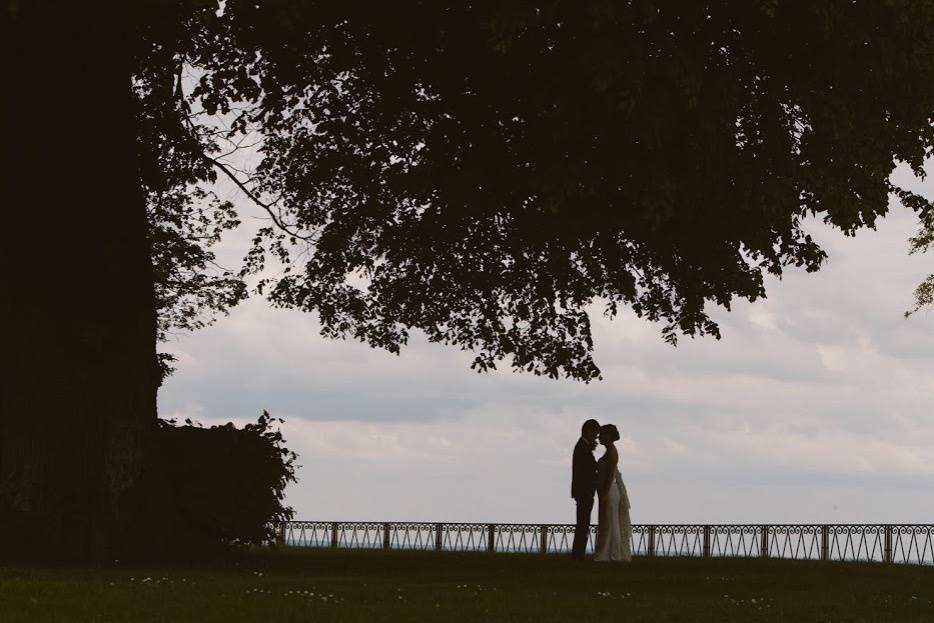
(761, 317)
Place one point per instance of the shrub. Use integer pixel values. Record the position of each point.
(210, 488)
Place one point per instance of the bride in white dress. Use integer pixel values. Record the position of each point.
(614, 533)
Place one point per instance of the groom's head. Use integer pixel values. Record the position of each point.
(590, 430)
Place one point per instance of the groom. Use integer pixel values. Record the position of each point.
(584, 484)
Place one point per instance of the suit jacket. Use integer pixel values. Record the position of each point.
(584, 471)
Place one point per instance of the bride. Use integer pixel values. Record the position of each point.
(614, 532)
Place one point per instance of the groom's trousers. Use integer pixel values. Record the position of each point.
(582, 530)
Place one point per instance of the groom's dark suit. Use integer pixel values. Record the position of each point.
(583, 488)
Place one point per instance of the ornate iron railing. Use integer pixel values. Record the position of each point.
(899, 543)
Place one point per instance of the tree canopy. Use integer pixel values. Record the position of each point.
(485, 172)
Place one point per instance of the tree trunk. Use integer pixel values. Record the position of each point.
(78, 375)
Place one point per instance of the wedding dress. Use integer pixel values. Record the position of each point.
(614, 531)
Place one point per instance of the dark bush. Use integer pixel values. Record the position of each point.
(205, 489)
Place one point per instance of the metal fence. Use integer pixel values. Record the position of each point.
(898, 543)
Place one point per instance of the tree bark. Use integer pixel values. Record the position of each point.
(78, 374)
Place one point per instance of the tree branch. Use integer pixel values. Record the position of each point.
(186, 111)
(252, 197)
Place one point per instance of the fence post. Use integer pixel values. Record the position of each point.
(764, 545)
(386, 540)
(439, 540)
(333, 534)
(825, 542)
(888, 543)
(651, 548)
(543, 544)
(706, 552)
(491, 538)
(280, 534)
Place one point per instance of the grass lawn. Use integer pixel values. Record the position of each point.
(374, 586)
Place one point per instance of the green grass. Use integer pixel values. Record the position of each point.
(349, 586)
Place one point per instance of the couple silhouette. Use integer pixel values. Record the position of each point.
(601, 477)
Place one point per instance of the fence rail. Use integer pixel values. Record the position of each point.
(893, 543)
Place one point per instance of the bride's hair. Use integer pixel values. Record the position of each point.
(609, 432)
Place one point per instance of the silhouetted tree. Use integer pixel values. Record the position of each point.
(482, 172)
(922, 243)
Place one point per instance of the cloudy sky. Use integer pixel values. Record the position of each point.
(814, 407)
